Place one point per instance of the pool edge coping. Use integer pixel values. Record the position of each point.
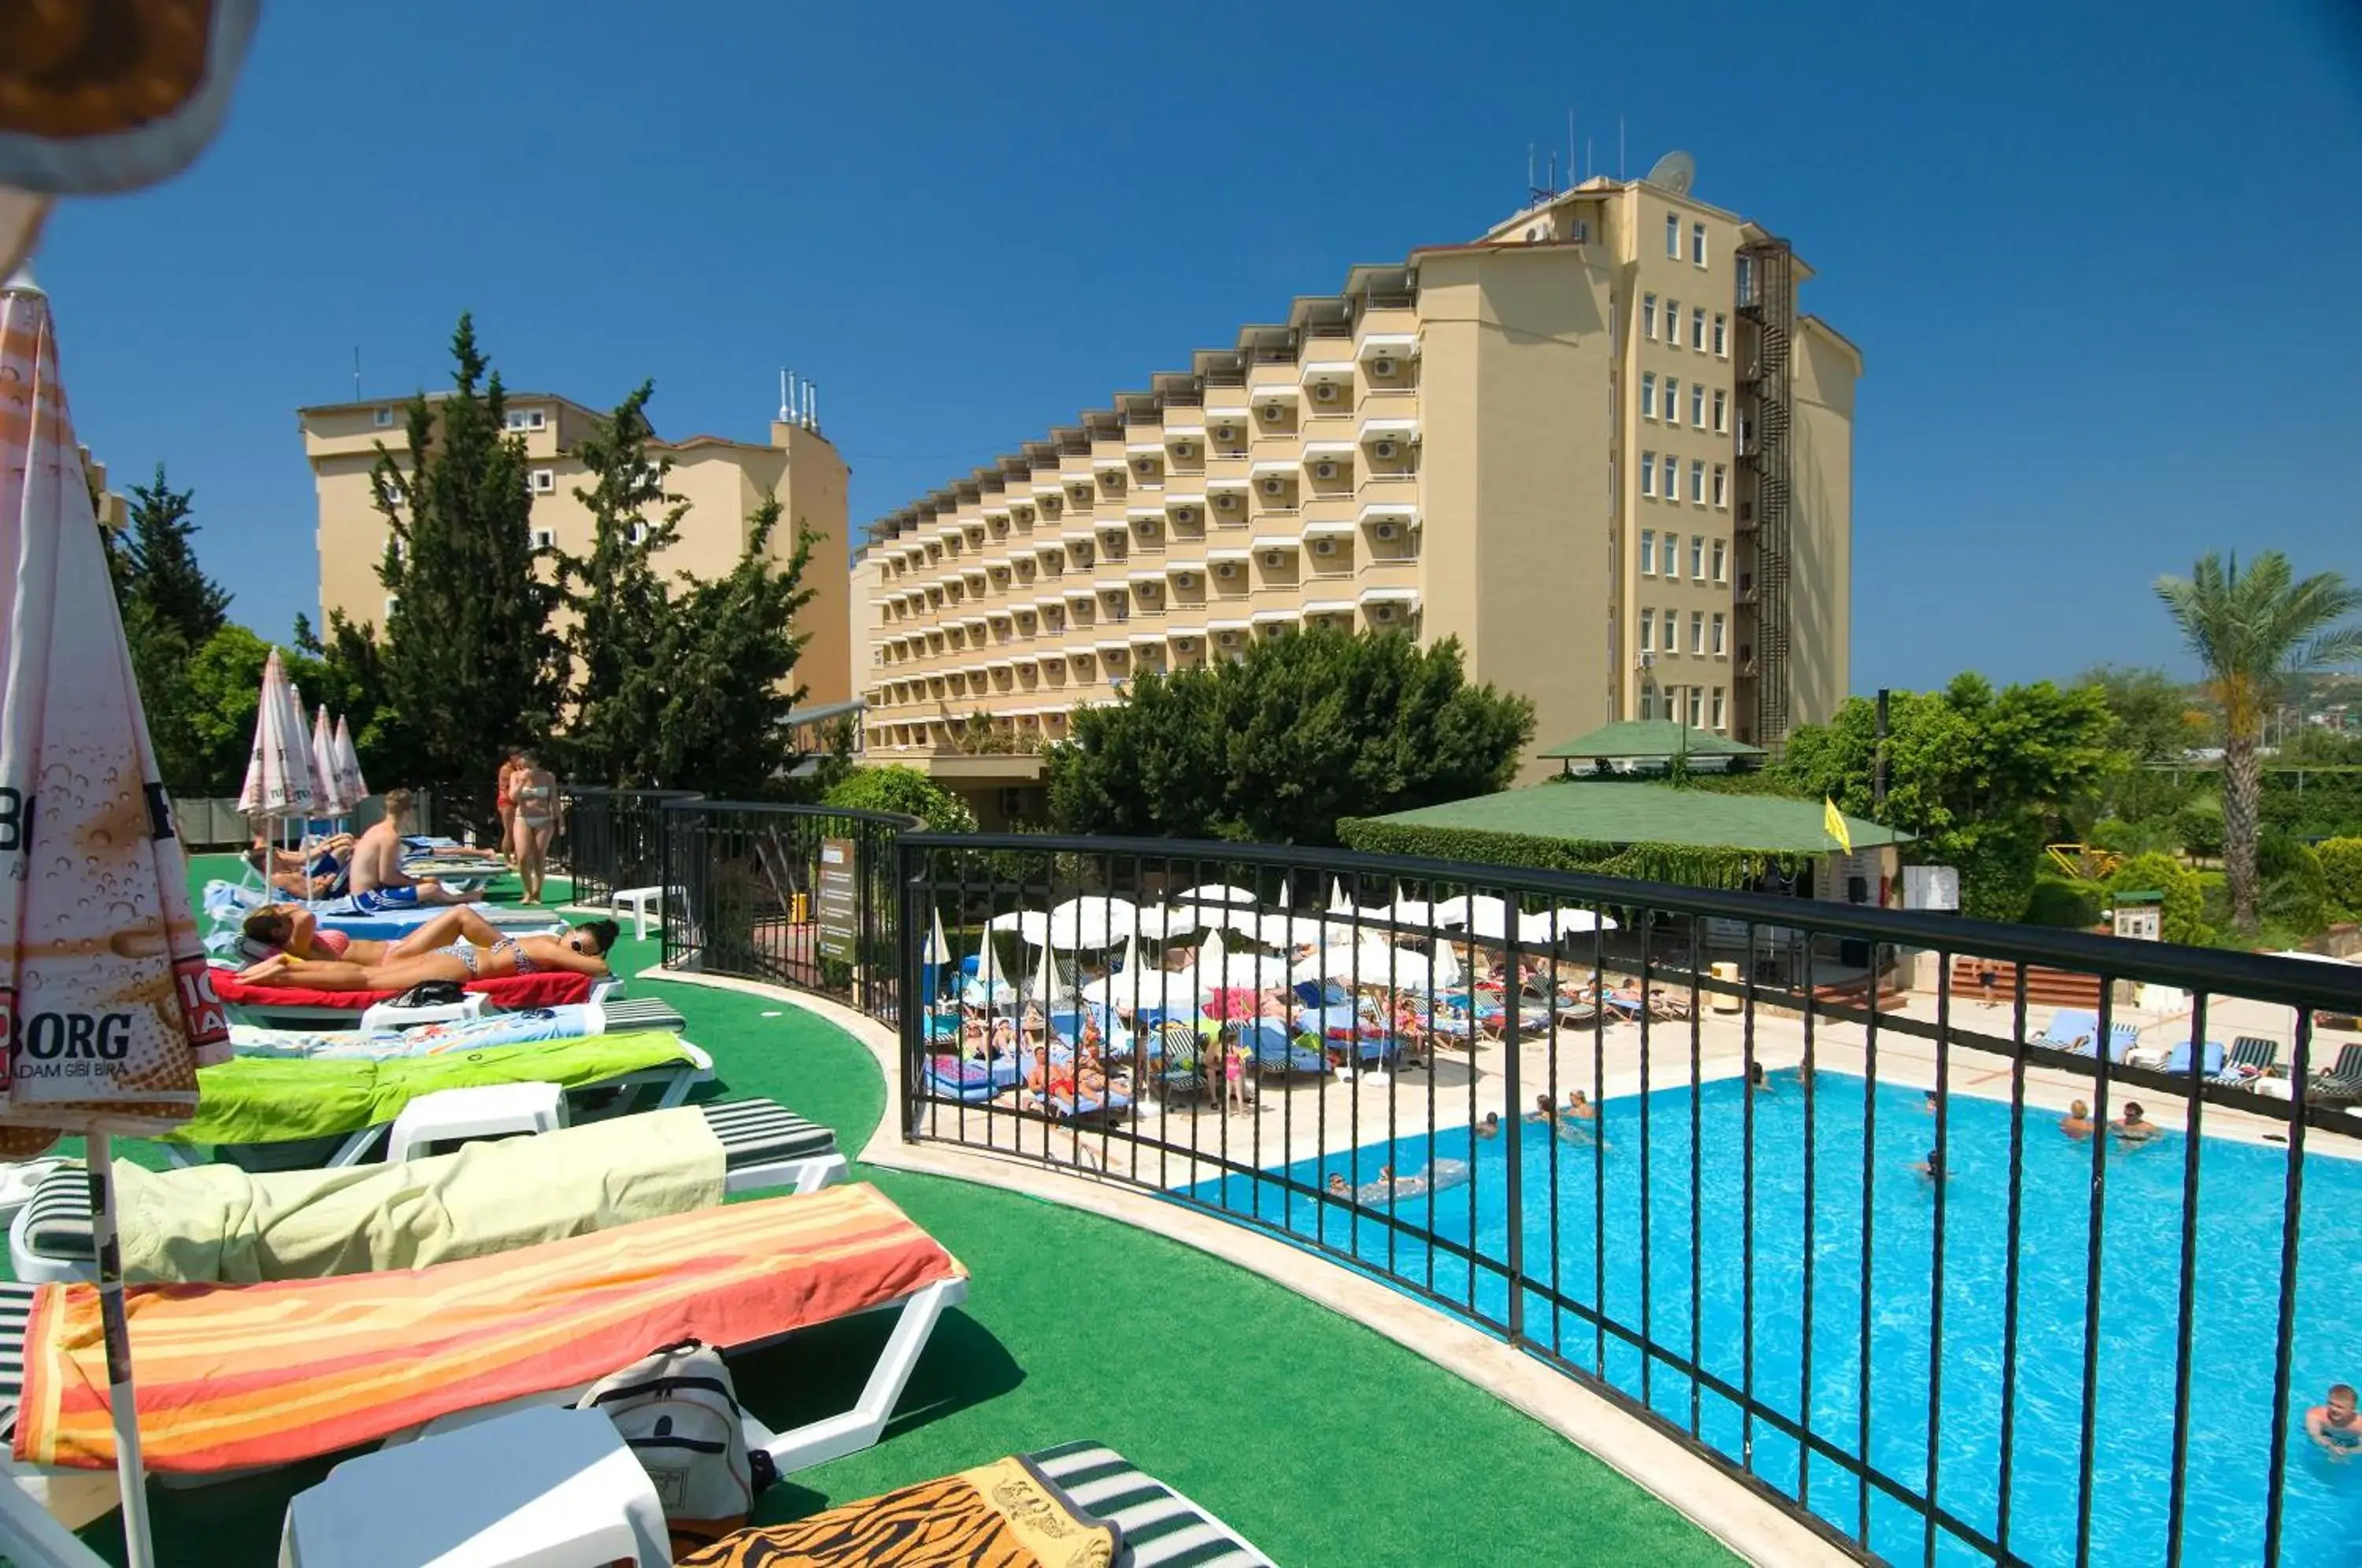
(1749, 1526)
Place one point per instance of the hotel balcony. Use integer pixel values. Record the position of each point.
(1276, 562)
(1226, 498)
(1337, 614)
(1184, 446)
(1229, 571)
(1147, 529)
(1228, 430)
(1328, 548)
(1329, 467)
(1184, 512)
(1146, 462)
(1276, 409)
(1188, 580)
(1329, 386)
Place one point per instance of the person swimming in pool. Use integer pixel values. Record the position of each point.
(478, 952)
(2135, 1127)
(1490, 1127)
(2077, 1124)
(1756, 1079)
(1931, 1169)
(1337, 1188)
(2334, 1425)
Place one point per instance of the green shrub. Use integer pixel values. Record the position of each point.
(2056, 902)
(904, 790)
(2199, 824)
(2185, 895)
(2341, 867)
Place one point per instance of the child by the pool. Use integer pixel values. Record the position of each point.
(2334, 1425)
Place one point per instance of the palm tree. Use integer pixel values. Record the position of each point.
(2253, 631)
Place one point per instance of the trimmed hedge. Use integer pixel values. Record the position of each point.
(1691, 866)
(2341, 863)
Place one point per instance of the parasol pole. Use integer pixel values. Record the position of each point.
(122, 1403)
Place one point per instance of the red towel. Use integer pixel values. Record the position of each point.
(551, 987)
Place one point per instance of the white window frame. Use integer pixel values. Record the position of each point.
(1720, 626)
(1719, 716)
(1721, 336)
(1697, 707)
(1648, 318)
(1648, 552)
(545, 482)
(1697, 329)
(1721, 412)
(1697, 404)
(1697, 244)
(1674, 236)
(1721, 502)
(639, 535)
(1672, 485)
(383, 418)
(1648, 701)
(1648, 632)
(1669, 631)
(544, 538)
(1721, 559)
(391, 601)
(1649, 475)
(1697, 558)
(1673, 324)
(1697, 633)
(1648, 394)
(1697, 498)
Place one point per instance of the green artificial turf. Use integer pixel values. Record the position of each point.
(1320, 1439)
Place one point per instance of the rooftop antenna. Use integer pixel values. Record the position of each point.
(787, 403)
(1570, 145)
(1530, 186)
(1619, 147)
(357, 372)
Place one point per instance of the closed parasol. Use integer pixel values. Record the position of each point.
(349, 782)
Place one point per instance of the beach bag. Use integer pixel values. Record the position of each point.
(432, 993)
(677, 1412)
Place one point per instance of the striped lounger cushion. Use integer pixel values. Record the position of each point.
(1161, 1527)
(753, 1132)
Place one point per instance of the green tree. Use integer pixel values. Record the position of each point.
(2183, 913)
(351, 680)
(160, 563)
(2253, 632)
(2341, 867)
(469, 663)
(1982, 777)
(219, 695)
(1276, 746)
(905, 790)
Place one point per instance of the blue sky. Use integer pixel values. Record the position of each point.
(2100, 259)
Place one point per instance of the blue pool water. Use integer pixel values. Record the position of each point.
(2239, 1225)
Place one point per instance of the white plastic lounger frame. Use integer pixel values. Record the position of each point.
(674, 1078)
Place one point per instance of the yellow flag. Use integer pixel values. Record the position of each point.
(1834, 823)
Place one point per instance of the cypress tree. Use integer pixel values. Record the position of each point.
(470, 662)
(161, 564)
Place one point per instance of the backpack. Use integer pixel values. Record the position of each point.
(677, 1412)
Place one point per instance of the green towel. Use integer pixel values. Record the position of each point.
(218, 1224)
(262, 1100)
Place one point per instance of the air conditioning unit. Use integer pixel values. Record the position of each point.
(1324, 469)
(1383, 365)
(1185, 643)
(1382, 612)
(1186, 579)
(1226, 502)
(1385, 531)
(1227, 639)
(1270, 413)
(1148, 528)
(1226, 568)
(1646, 661)
(1384, 451)
(1182, 449)
(1145, 466)
(1271, 487)
(1324, 546)
(1183, 514)
(1270, 559)
(1325, 392)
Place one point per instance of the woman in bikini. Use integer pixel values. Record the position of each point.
(478, 952)
(535, 789)
(505, 805)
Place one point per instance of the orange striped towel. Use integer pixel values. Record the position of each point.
(236, 1375)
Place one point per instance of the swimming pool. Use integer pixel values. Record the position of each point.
(2239, 1223)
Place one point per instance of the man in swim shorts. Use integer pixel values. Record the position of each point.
(2077, 1124)
(378, 882)
(2333, 1426)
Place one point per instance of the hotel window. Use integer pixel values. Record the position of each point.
(1721, 411)
(1722, 499)
(1673, 324)
(1672, 640)
(1717, 560)
(1697, 706)
(1697, 404)
(1673, 492)
(544, 481)
(383, 418)
(1648, 394)
(1697, 557)
(1698, 243)
(1648, 552)
(1717, 650)
(544, 538)
(1674, 236)
(1648, 473)
(1672, 400)
(1721, 336)
(1697, 498)
(1697, 329)
(1717, 708)
(1698, 635)
(1746, 280)
(1648, 701)
(1648, 316)
(1647, 629)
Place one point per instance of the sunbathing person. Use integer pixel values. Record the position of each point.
(378, 880)
(292, 928)
(480, 953)
(315, 875)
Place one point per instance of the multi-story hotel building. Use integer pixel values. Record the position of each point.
(723, 480)
(1601, 445)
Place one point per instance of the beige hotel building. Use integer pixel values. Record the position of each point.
(1602, 445)
(723, 480)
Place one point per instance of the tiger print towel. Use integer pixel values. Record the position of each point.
(1003, 1515)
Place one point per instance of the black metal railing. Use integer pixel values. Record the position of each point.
(610, 839)
(1846, 1199)
(799, 895)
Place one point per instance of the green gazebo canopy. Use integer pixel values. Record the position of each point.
(1652, 739)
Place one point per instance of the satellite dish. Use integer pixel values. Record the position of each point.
(1674, 171)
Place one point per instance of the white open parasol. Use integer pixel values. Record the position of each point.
(105, 996)
(350, 781)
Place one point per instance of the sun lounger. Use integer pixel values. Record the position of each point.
(571, 1021)
(1277, 1050)
(2345, 1075)
(949, 1077)
(2177, 1061)
(280, 1115)
(1095, 1500)
(234, 1378)
(762, 1145)
(2069, 1029)
(511, 993)
(2252, 1057)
